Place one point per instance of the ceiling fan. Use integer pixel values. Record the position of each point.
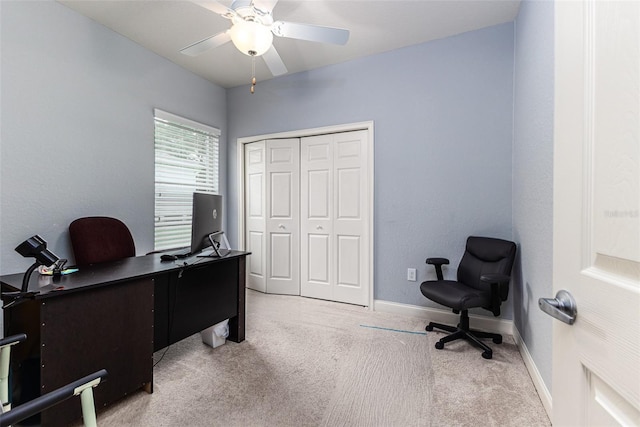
(253, 28)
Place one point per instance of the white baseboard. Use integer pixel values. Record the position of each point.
(534, 373)
(485, 323)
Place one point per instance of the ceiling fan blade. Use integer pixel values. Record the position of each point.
(274, 62)
(313, 33)
(238, 4)
(216, 7)
(197, 48)
(265, 5)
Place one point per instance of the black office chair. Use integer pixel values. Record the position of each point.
(98, 239)
(483, 281)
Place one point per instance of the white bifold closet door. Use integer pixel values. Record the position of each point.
(272, 215)
(334, 217)
(307, 216)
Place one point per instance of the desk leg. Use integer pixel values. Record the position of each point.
(236, 324)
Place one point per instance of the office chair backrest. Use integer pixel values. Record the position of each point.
(485, 255)
(98, 239)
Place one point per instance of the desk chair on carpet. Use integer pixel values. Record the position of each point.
(98, 239)
(482, 281)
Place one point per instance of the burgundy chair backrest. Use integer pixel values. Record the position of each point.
(98, 239)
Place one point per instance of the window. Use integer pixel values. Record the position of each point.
(186, 160)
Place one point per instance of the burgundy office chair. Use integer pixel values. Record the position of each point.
(98, 239)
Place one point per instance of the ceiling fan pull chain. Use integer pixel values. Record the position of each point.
(253, 74)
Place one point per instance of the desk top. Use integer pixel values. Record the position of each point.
(109, 273)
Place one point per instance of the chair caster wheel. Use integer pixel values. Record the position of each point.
(487, 354)
(497, 340)
(439, 345)
(429, 328)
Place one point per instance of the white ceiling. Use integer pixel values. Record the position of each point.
(165, 27)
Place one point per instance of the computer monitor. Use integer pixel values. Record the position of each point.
(206, 219)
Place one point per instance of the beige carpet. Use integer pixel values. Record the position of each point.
(315, 363)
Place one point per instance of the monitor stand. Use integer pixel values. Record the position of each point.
(217, 239)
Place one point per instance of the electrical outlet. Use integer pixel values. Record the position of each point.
(411, 274)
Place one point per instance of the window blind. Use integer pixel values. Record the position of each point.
(186, 160)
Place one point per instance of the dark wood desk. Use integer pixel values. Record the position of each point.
(114, 316)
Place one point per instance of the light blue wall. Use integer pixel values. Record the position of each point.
(442, 113)
(533, 177)
(76, 112)
(77, 125)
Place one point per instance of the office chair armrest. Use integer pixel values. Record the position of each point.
(495, 278)
(13, 339)
(50, 399)
(437, 263)
(499, 290)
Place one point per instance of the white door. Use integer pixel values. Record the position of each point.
(335, 217)
(316, 219)
(255, 223)
(596, 361)
(282, 221)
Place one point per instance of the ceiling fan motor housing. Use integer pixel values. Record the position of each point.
(251, 31)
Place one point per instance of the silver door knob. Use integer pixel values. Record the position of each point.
(281, 226)
(563, 307)
(318, 227)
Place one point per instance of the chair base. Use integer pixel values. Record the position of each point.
(462, 331)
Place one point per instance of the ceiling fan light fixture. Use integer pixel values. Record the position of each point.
(251, 37)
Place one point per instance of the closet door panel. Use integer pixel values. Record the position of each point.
(348, 197)
(256, 261)
(317, 194)
(281, 267)
(316, 180)
(282, 222)
(281, 195)
(318, 248)
(255, 196)
(348, 261)
(350, 218)
(255, 214)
